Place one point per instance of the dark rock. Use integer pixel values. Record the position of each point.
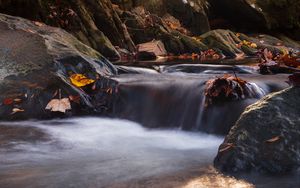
(146, 56)
(266, 137)
(191, 14)
(239, 13)
(144, 27)
(93, 22)
(257, 15)
(37, 60)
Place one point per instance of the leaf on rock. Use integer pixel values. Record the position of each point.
(227, 147)
(79, 80)
(16, 110)
(59, 105)
(75, 98)
(17, 100)
(289, 61)
(39, 24)
(272, 140)
(8, 101)
(225, 88)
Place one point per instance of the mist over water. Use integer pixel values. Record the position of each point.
(90, 151)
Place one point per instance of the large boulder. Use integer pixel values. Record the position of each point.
(93, 22)
(266, 137)
(36, 62)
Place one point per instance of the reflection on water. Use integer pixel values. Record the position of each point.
(214, 179)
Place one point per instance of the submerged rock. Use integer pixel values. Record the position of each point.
(266, 137)
(37, 60)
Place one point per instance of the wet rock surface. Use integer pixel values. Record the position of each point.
(266, 137)
(36, 61)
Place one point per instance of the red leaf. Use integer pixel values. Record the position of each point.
(8, 101)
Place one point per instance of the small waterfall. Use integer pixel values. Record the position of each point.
(201, 112)
(178, 101)
(255, 91)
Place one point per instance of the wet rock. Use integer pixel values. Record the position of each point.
(36, 61)
(266, 137)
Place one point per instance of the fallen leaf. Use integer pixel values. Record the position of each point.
(16, 110)
(109, 90)
(74, 98)
(17, 100)
(79, 80)
(38, 23)
(59, 105)
(272, 140)
(8, 101)
(227, 147)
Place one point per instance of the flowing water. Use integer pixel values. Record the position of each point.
(114, 152)
(174, 96)
(95, 152)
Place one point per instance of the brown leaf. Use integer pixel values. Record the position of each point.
(272, 140)
(59, 105)
(16, 110)
(39, 24)
(75, 98)
(227, 147)
(109, 90)
(17, 100)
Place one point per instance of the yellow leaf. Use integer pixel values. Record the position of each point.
(79, 80)
(253, 45)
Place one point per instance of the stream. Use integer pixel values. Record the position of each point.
(160, 135)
